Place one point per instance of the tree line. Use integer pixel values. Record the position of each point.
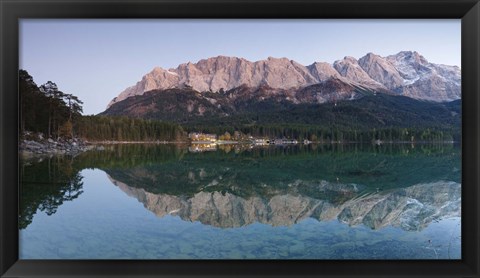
(100, 128)
(46, 109)
(332, 134)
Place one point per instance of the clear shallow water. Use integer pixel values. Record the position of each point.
(165, 202)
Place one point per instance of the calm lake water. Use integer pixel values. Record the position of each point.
(237, 202)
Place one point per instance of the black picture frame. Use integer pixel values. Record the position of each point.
(13, 10)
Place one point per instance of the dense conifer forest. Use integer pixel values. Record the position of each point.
(45, 109)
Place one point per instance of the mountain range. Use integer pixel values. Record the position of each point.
(371, 92)
(405, 73)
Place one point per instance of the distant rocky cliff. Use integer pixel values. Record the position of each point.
(406, 73)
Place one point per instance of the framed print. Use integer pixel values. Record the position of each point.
(236, 138)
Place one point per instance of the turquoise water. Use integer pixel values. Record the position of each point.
(242, 202)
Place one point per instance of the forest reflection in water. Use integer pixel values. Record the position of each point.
(235, 188)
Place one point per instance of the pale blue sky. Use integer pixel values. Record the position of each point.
(97, 59)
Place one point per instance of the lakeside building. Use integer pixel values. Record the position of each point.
(198, 136)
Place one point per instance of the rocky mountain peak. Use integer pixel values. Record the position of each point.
(411, 57)
(410, 64)
(406, 73)
(350, 69)
(381, 70)
(270, 58)
(425, 80)
(350, 59)
(323, 71)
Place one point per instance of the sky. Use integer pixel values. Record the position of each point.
(96, 59)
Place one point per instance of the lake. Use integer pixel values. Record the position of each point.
(332, 201)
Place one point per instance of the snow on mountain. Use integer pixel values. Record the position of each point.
(405, 73)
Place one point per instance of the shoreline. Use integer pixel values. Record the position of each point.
(48, 147)
(108, 142)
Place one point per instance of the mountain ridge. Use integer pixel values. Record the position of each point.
(405, 73)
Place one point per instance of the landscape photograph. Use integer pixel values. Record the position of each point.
(229, 139)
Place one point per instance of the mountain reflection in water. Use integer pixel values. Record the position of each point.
(236, 188)
(411, 209)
